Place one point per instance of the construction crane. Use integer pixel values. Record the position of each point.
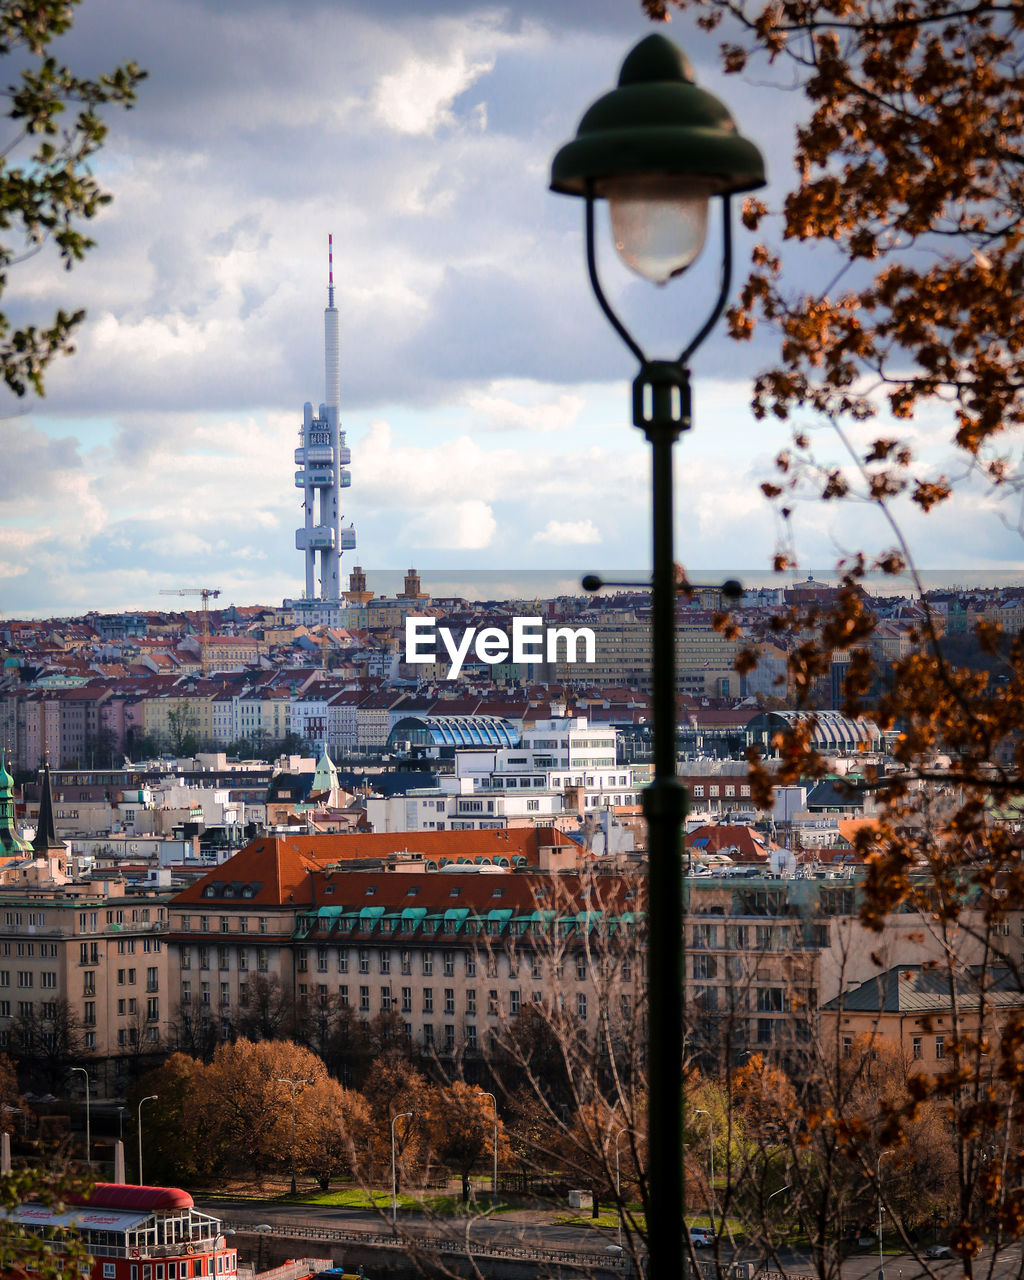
(206, 593)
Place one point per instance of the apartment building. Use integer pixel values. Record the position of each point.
(454, 948)
(95, 949)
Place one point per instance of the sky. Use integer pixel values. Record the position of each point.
(484, 397)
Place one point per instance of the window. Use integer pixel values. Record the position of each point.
(918, 1051)
(470, 965)
(262, 924)
(121, 1008)
(428, 999)
(109, 1270)
(407, 999)
(225, 924)
(24, 978)
(364, 999)
(428, 1033)
(204, 924)
(321, 959)
(385, 1000)
(514, 998)
(449, 964)
(223, 958)
(492, 1003)
(449, 1037)
(471, 1041)
(471, 1000)
(449, 999)
(48, 981)
(847, 1046)
(581, 1006)
(262, 958)
(89, 1013)
(384, 959)
(428, 964)
(301, 960)
(364, 960)
(406, 963)
(940, 1046)
(581, 968)
(343, 995)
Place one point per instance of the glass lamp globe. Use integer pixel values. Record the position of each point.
(658, 222)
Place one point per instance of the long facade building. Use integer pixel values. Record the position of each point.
(455, 951)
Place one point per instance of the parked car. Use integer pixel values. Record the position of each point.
(702, 1237)
(938, 1251)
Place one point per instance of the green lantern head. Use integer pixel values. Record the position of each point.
(657, 148)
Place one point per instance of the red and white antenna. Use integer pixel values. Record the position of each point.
(330, 270)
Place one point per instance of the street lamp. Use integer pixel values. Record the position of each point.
(657, 148)
(711, 1149)
(878, 1188)
(88, 1125)
(494, 1104)
(294, 1084)
(618, 1185)
(394, 1175)
(152, 1097)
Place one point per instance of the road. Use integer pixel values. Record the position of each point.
(536, 1230)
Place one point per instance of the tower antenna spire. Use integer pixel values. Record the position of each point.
(330, 269)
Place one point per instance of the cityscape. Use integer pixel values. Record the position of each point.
(514, 911)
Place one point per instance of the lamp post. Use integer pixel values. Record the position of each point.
(658, 148)
(152, 1097)
(711, 1149)
(88, 1118)
(494, 1104)
(294, 1084)
(394, 1173)
(878, 1188)
(618, 1185)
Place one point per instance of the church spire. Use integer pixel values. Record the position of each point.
(45, 841)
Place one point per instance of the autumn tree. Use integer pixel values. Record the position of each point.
(47, 188)
(460, 1123)
(333, 1126)
(393, 1086)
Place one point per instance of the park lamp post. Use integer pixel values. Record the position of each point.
(494, 1185)
(618, 1183)
(151, 1097)
(88, 1118)
(658, 148)
(394, 1171)
(878, 1189)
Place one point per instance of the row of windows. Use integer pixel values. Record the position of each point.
(364, 957)
(26, 950)
(714, 789)
(26, 978)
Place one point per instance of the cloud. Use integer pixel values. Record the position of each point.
(461, 526)
(568, 532)
(417, 99)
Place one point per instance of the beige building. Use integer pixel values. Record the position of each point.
(95, 950)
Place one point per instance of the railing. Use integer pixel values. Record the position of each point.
(292, 1270)
(595, 1259)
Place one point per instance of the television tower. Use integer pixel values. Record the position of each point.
(323, 459)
